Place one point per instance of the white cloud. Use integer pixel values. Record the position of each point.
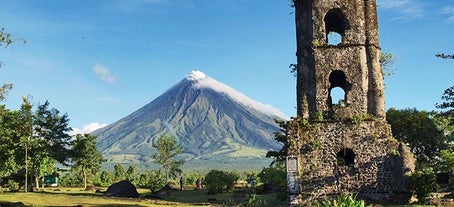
(393, 4)
(104, 73)
(87, 128)
(449, 11)
(204, 81)
(406, 10)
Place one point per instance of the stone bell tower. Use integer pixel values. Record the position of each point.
(342, 146)
(352, 63)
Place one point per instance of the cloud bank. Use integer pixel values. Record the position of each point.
(449, 11)
(406, 10)
(104, 73)
(87, 128)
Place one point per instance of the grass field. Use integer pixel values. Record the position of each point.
(78, 197)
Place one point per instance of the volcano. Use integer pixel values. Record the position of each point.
(215, 125)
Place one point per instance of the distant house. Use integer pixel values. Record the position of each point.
(51, 180)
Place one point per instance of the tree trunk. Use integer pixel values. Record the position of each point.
(85, 178)
(36, 182)
(26, 167)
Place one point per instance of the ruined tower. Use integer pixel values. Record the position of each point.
(342, 146)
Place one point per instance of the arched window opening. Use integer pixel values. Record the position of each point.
(338, 89)
(334, 38)
(337, 95)
(345, 157)
(335, 23)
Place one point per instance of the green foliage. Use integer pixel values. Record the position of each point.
(104, 179)
(280, 136)
(13, 185)
(447, 160)
(191, 178)
(156, 180)
(10, 148)
(448, 101)
(5, 40)
(252, 201)
(423, 182)
(342, 201)
(144, 180)
(86, 157)
(132, 174)
(167, 150)
(419, 130)
(220, 181)
(119, 173)
(274, 175)
(70, 179)
(386, 60)
(444, 56)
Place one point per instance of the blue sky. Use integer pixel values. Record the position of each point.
(100, 60)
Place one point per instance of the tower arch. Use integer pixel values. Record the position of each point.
(336, 23)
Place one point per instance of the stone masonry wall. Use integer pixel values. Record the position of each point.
(377, 172)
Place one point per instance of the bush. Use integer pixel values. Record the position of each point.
(252, 201)
(157, 180)
(13, 186)
(423, 182)
(103, 179)
(273, 175)
(70, 179)
(220, 181)
(342, 200)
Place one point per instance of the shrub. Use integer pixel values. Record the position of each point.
(103, 179)
(144, 180)
(273, 175)
(13, 186)
(342, 201)
(220, 181)
(252, 201)
(157, 180)
(423, 182)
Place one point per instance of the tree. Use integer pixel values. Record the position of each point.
(444, 56)
(86, 157)
(105, 178)
(5, 40)
(25, 132)
(419, 130)
(386, 61)
(50, 141)
(280, 136)
(132, 173)
(167, 150)
(448, 101)
(119, 173)
(9, 142)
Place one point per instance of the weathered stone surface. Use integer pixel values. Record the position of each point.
(351, 157)
(343, 147)
(122, 189)
(357, 56)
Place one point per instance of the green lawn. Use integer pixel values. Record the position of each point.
(78, 197)
(186, 198)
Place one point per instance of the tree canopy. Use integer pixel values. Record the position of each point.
(167, 150)
(419, 130)
(85, 156)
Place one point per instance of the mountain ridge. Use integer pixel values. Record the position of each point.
(209, 119)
